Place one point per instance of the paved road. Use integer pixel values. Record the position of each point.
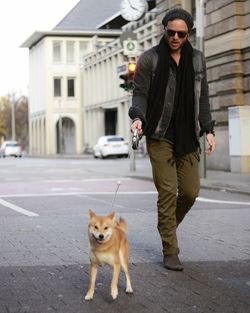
(44, 249)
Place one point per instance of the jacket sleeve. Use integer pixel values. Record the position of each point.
(142, 82)
(205, 117)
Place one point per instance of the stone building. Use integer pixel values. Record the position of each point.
(227, 50)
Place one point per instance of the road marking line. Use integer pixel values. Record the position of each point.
(222, 201)
(17, 208)
(53, 194)
(106, 179)
(57, 180)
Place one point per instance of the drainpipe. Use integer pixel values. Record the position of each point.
(200, 46)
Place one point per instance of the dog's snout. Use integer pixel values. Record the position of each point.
(101, 236)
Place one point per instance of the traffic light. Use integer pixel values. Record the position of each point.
(125, 84)
(131, 73)
(128, 77)
(131, 70)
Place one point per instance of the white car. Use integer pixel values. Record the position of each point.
(111, 145)
(10, 148)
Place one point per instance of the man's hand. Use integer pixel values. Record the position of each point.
(137, 124)
(211, 142)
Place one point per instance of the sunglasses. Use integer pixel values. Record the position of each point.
(171, 33)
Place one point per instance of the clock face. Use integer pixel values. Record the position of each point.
(132, 10)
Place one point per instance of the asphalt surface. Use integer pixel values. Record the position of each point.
(44, 262)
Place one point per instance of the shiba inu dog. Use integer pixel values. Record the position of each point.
(108, 244)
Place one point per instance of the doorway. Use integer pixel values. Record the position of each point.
(110, 121)
(66, 141)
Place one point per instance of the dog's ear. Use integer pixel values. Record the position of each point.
(91, 213)
(112, 216)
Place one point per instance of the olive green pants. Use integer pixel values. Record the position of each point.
(177, 182)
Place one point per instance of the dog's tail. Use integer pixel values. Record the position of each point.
(122, 224)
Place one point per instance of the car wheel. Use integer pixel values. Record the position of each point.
(101, 155)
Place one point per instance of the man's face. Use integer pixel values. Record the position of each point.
(176, 40)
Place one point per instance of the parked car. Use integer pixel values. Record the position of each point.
(111, 145)
(11, 148)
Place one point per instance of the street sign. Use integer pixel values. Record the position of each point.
(130, 47)
(122, 68)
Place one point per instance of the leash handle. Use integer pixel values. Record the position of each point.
(135, 140)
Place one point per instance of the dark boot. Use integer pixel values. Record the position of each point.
(172, 262)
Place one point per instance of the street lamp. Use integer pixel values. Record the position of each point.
(13, 118)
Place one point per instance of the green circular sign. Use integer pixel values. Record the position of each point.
(130, 46)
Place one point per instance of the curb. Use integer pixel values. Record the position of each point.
(231, 189)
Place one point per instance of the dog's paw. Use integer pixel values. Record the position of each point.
(129, 290)
(114, 293)
(88, 296)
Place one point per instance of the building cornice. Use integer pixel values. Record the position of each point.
(39, 35)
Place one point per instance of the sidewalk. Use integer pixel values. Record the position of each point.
(215, 179)
(234, 182)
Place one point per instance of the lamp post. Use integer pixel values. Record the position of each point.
(200, 46)
(132, 151)
(13, 118)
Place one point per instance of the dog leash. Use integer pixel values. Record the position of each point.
(117, 187)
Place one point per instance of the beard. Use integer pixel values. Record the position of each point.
(175, 44)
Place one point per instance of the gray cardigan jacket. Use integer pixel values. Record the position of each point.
(145, 72)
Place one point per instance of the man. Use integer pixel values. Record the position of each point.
(171, 108)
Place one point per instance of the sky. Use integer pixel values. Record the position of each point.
(18, 20)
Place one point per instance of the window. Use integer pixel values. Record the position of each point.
(57, 87)
(57, 51)
(84, 49)
(70, 51)
(71, 87)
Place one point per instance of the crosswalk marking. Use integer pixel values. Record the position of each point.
(17, 208)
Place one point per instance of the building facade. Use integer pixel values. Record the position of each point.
(105, 103)
(56, 94)
(227, 50)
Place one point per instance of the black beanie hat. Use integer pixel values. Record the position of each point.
(178, 13)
